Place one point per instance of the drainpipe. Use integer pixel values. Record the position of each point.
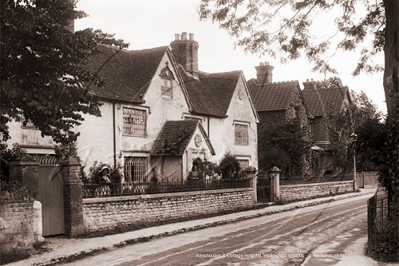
(209, 133)
(114, 133)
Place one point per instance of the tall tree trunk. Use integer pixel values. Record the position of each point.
(391, 74)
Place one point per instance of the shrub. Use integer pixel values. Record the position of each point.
(229, 167)
(7, 155)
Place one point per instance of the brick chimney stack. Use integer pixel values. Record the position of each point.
(185, 51)
(309, 85)
(264, 73)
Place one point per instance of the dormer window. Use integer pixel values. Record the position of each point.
(167, 82)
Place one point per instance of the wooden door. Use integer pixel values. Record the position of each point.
(52, 198)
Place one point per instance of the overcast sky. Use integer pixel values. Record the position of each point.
(153, 23)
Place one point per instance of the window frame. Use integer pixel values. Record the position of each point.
(237, 140)
(241, 158)
(142, 175)
(125, 133)
(167, 89)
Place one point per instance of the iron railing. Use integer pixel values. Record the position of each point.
(383, 231)
(264, 189)
(142, 188)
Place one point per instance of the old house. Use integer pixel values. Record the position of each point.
(165, 112)
(280, 101)
(318, 99)
(159, 113)
(221, 102)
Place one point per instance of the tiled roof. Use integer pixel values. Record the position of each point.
(175, 137)
(127, 74)
(211, 93)
(271, 96)
(318, 99)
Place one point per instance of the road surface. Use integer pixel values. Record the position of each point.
(279, 239)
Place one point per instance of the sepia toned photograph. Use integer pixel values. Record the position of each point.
(199, 132)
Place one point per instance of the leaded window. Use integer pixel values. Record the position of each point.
(241, 134)
(134, 121)
(135, 169)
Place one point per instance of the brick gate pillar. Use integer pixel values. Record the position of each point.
(26, 171)
(73, 205)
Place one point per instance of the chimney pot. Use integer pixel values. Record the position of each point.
(311, 79)
(185, 52)
(307, 80)
(264, 73)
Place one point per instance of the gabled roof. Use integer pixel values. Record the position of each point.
(317, 99)
(127, 74)
(211, 94)
(175, 137)
(274, 96)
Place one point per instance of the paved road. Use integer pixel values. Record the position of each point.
(279, 239)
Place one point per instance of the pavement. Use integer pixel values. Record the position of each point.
(62, 249)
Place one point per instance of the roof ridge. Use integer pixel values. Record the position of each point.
(218, 73)
(288, 81)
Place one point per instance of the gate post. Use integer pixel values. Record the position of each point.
(26, 171)
(250, 171)
(73, 204)
(275, 179)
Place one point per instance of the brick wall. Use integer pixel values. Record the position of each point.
(107, 213)
(307, 191)
(20, 225)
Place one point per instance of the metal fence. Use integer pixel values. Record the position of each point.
(383, 231)
(264, 189)
(142, 188)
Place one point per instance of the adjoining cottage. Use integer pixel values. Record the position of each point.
(318, 99)
(281, 101)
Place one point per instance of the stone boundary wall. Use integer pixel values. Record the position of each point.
(370, 179)
(107, 213)
(307, 191)
(20, 225)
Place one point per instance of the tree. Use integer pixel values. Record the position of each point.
(281, 144)
(360, 117)
(43, 79)
(253, 24)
